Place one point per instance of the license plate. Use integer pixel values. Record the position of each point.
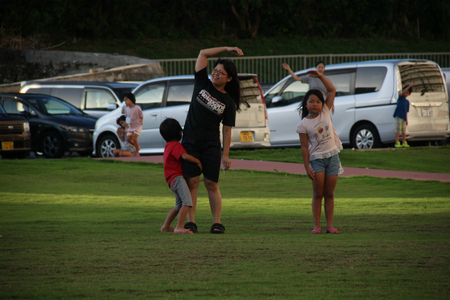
(427, 112)
(246, 136)
(7, 145)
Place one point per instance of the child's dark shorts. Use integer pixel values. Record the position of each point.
(210, 155)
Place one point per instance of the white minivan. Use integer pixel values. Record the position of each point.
(365, 101)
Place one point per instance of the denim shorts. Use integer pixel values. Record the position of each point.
(331, 165)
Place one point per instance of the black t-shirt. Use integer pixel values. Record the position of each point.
(208, 108)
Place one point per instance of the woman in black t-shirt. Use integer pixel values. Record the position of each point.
(213, 102)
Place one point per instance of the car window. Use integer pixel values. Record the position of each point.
(268, 97)
(56, 108)
(11, 107)
(150, 96)
(2, 110)
(293, 93)
(342, 82)
(428, 77)
(15, 107)
(250, 90)
(180, 93)
(98, 99)
(71, 95)
(369, 79)
(120, 92)
(53, 106)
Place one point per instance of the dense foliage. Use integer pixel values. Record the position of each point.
(99, 19)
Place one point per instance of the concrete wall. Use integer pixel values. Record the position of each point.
(27, 65)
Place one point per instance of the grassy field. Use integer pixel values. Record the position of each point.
(82, 228)
(416, 159)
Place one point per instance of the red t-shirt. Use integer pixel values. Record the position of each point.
(173, 160)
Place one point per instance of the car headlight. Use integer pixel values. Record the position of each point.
(26, 127)
(74, 129)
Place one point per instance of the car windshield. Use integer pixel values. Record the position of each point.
(53, 106)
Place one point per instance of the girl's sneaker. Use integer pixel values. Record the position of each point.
(405, 145)
(398, 145)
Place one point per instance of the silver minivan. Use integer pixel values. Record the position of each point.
(165, 97)
(94, 98)
(365, 101)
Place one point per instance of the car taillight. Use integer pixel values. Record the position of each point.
(261, 98)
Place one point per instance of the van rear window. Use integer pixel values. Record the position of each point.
(250, 90)
(427, 77)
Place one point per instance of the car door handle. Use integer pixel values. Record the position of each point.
(154, 114)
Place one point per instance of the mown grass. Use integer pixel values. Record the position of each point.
(416, 159)
(82, 228)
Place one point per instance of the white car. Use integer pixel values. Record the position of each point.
(165, 97)
(366, 97)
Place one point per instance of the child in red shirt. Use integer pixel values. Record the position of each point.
(174, 153)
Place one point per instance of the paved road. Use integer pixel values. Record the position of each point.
(293, 168)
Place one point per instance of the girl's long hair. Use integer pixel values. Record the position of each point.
(233, 88)
(302, 107)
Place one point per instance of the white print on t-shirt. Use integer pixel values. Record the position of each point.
(210, 102)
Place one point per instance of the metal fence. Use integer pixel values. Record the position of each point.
(269, 68)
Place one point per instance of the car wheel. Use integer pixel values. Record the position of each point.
(107, 145)
(365, 137)
(52, 145)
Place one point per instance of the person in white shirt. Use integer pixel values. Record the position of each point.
(320, 148)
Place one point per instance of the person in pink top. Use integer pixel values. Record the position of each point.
(174, 154)
(320, 148)
(134, 117)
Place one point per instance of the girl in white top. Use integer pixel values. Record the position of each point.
(320, 148)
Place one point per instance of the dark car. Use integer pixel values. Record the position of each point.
(56, 126)
(15, 137)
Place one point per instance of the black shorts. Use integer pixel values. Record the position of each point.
(210, 155)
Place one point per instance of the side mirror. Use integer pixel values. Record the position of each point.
(111, 106)
(277, 99)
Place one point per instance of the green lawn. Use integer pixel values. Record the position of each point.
(416, 159)
(81, 228)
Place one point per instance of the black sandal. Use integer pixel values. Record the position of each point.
(217, 228)
(191, 226)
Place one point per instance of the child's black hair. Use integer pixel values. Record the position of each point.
(130, 96)
(233, 87)
(302, 107)
(121, 118)
(409, 90)
(170, 130)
